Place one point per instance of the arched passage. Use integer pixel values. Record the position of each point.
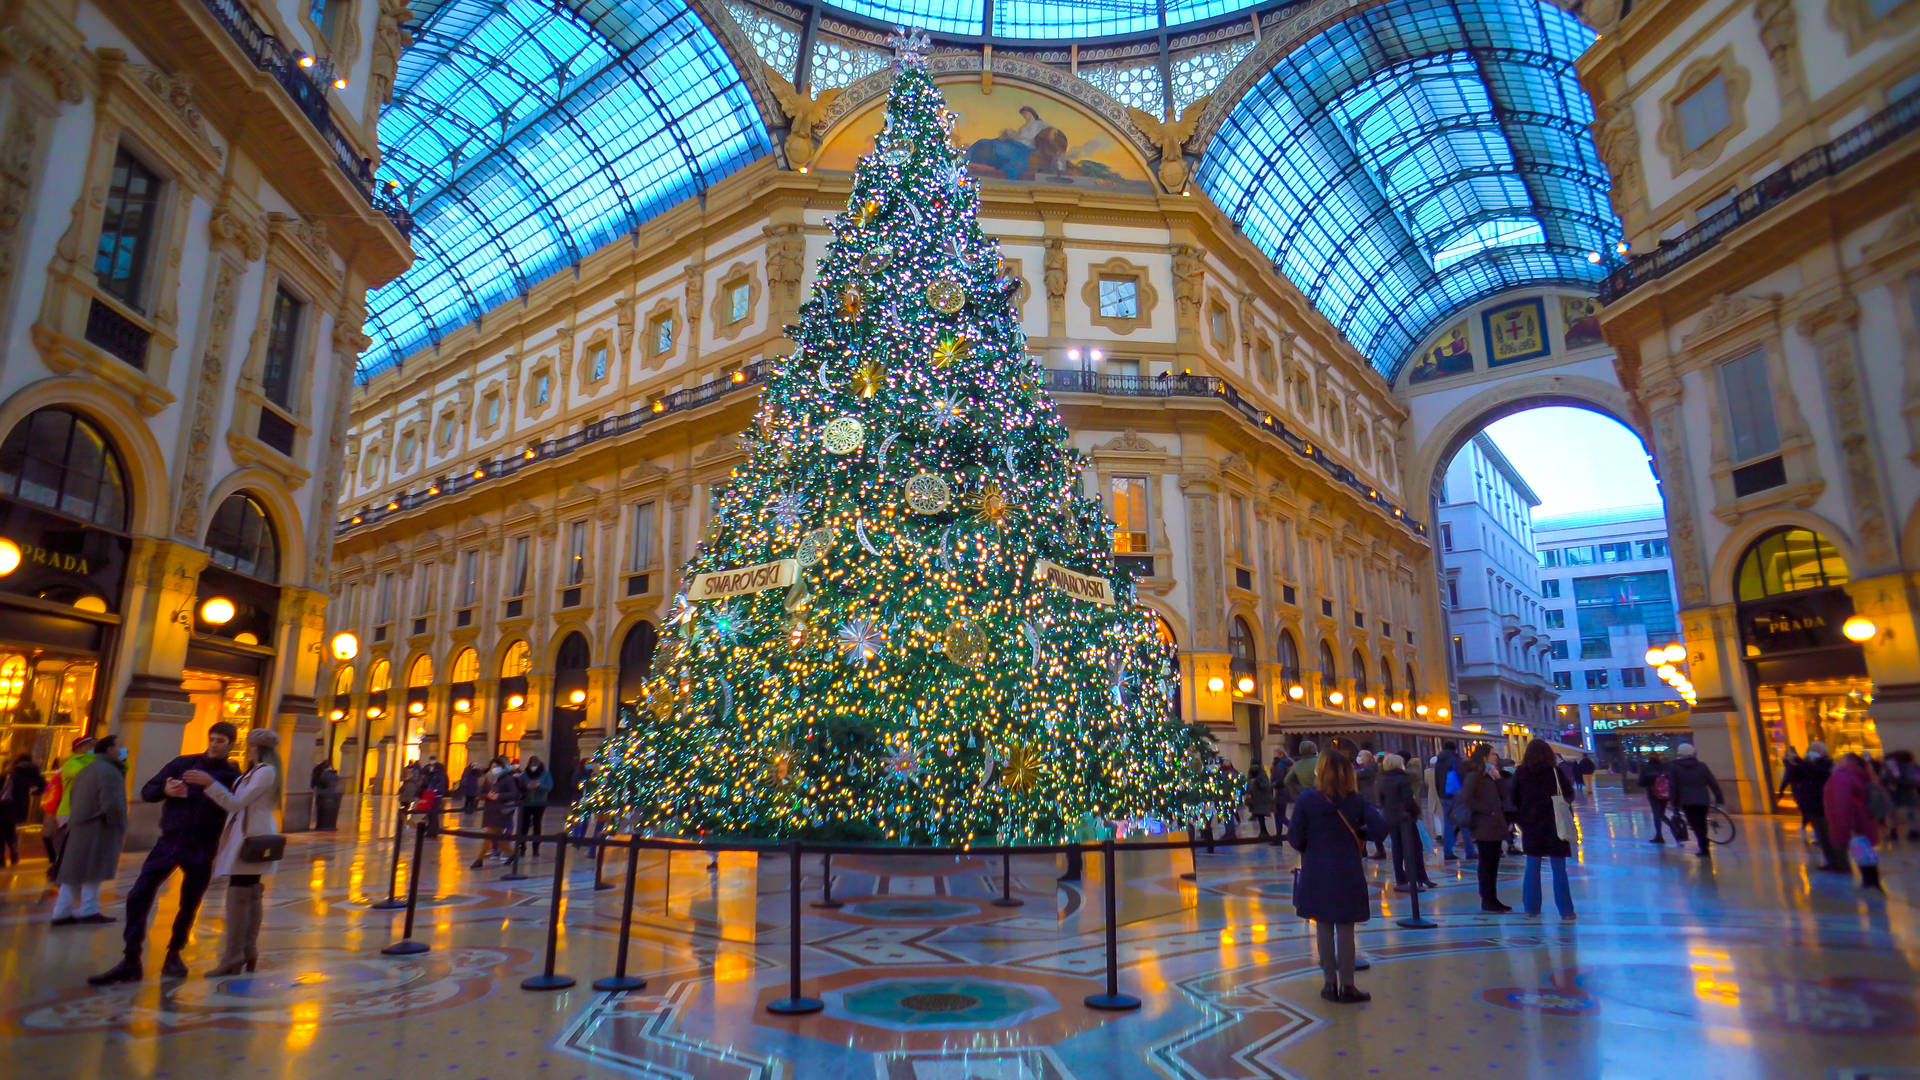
(569, 711)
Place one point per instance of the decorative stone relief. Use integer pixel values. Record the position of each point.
(177, 95)
(1189, 286)
(1617, 139)
(1054, 278)
(786, 262)
(1831, 329)
(1780, 33)
(805, 112)
(19, 145)
(390, 40)
(1676, 485)
(1170, 137)
(206, 404)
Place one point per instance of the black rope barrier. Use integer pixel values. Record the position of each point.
(826, 884)
(407, 946)
(547, 980)
(1006, 882)
(1113, 1000)
(519, 837)
(794, 1004)
(620, 980)
(393, 901)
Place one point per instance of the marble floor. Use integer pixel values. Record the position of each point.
(1746, 967)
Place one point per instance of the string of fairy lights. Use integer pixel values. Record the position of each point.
(917, 681)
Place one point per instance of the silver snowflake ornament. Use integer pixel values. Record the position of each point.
(942, 412)
(787, 508)
(861, 640)
(909, 46)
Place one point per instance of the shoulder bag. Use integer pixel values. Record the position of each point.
(1562, 813)
(262, 847)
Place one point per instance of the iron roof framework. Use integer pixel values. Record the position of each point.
(526, 134)
(1418, 157)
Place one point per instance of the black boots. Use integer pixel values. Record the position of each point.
(127, 970)
(171, 967)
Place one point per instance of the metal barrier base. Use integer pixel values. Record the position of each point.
(1113, 1002)
(546, 982)
(1418, 924)
(615, 983)
(795, 1006)
(406, 948)
(1008, 901)
(387, 905)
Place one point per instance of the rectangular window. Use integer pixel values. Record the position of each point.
(1563, 680)
(1237, 510)
(1550, 558)
(639, 537)
(1633, 676)
(1446, 537)
(1595, 648)
(1650, 549)
(518, 579)
(1453, 592)
(1219, 324)
(1459, 650)
(383, 605)
(1119, 298)
(1128, 368)
(663, 335)
(491, 410)
(1703, 113)
(1904, 88)
(599, 364)
(1550, 589)
(1596, 678)
(404, 455)
(739, 301)
(422, 589)
(126, 229)
(1559, 650)
(542, 389)
(1556, 619)
(448, 429)
(1578, 556)
(576, 552)
(283, 344)
(1129, 513)
(1752, 430)
(1622, 552)
(469, 578)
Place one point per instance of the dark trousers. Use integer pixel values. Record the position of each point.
(1697, 821)
(9, 842)
(1409, 861)
(1262, 820)
(530, 823)
(1818, 819)
(1659, 809)
(194, 877)
(1489, 871)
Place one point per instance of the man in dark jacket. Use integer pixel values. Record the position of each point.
(1659, 788)
(1807, 778)
(190, 825)
(1694, 788)
(1446, 780)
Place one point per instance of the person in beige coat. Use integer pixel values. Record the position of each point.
(250, 812)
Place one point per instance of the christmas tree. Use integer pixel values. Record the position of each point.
(904, 622)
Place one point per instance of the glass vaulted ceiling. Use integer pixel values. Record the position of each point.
(1417, 157)
(1042, 19)
(528, 133)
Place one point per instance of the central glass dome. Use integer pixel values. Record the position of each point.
(1049, 20)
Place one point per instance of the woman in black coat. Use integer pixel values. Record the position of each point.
(1331, 824)
(1535, 783)
(1400, 810)
(1486, 820)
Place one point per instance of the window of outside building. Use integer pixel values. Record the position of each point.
(469, 578)
(423, 582)
(1621, 552)
(283, 345)
(1751, 425)
(1237, 508)
(240, 538)
(1595, 648)
(1555, 619)
(1558, 650)
(1453, 592)
(1563, 680)
(739, 300)
(1642, 599)
(1446, 537)
(1650, 549)
(1596, 678)
(576, 552)
(639, 537)
(1289, 657)
(1703, 113)
(126, 229)
(1550, 589)
(1459, 650)
(1359, 674)
(1119, 298)
(1240, 646)
(58, 460)
(518, 577)
(1129, 513)
(662, 336)
(1633, 676)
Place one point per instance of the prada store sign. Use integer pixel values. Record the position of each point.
(61, 560)
(1792, 622)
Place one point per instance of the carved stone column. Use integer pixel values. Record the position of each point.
(1661, 396)
(1832, 329)
(40, 71)
(153, 710)
(1780, 33)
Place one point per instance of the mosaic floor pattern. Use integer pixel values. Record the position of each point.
(1748, 966)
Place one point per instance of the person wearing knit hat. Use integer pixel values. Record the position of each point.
(190, 827)
(249, 806)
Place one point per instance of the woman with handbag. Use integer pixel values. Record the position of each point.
(250, 843)
(1331, 827)
(1479, 809)
(1543, 797)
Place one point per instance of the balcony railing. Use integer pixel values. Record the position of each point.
(1855, 145)
(1058, 381)
(309, 95)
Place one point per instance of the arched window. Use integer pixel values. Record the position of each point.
(380, 678)
(1289, 656)
(1789, 560)
(517, 661)
(57, 459)
(1413, 686)
(465, 667)
(1386, 678)
(241, 538)
(420, 672)
(1240, 646)
(1359, 674)
(1329, 671)
(636, 659)
(343, 682)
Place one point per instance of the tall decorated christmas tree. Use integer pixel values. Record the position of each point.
(905, 622)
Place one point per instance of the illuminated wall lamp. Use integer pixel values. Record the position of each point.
(516, 701)
(374, 712)
(345, 646)
(1676, 652)
(461, 705)
(1859, 629)
(1369, 701)
(9, 557)
(1217, 684)
(578, 697)
(337, 714)
(415, 708)
(1666, 670)
(1445, 712)
(217, 611)
(1296, 692)
(1245, 685)
(1336, 698)
(1398, 707)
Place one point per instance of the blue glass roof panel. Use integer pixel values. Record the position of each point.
(933, 16)
(527, 134)
(1415, 157)
(1073, 18)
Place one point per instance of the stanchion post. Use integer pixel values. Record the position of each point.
(1193, 853)
(620, 980)
(513, 861)
(1414, 921)
(826, 883)
(1113, 1000)
(547, 980)
(600, 883)
(1006, 881)
(793, 1004)
(393, 901)
(407, 946)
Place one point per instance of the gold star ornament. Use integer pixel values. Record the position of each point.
(992, 504)
(869, 379)
(949, 349)
(864, 214)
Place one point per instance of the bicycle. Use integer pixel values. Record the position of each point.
(1720, 827)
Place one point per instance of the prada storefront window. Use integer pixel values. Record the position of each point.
(235, 618)
(63, 557)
